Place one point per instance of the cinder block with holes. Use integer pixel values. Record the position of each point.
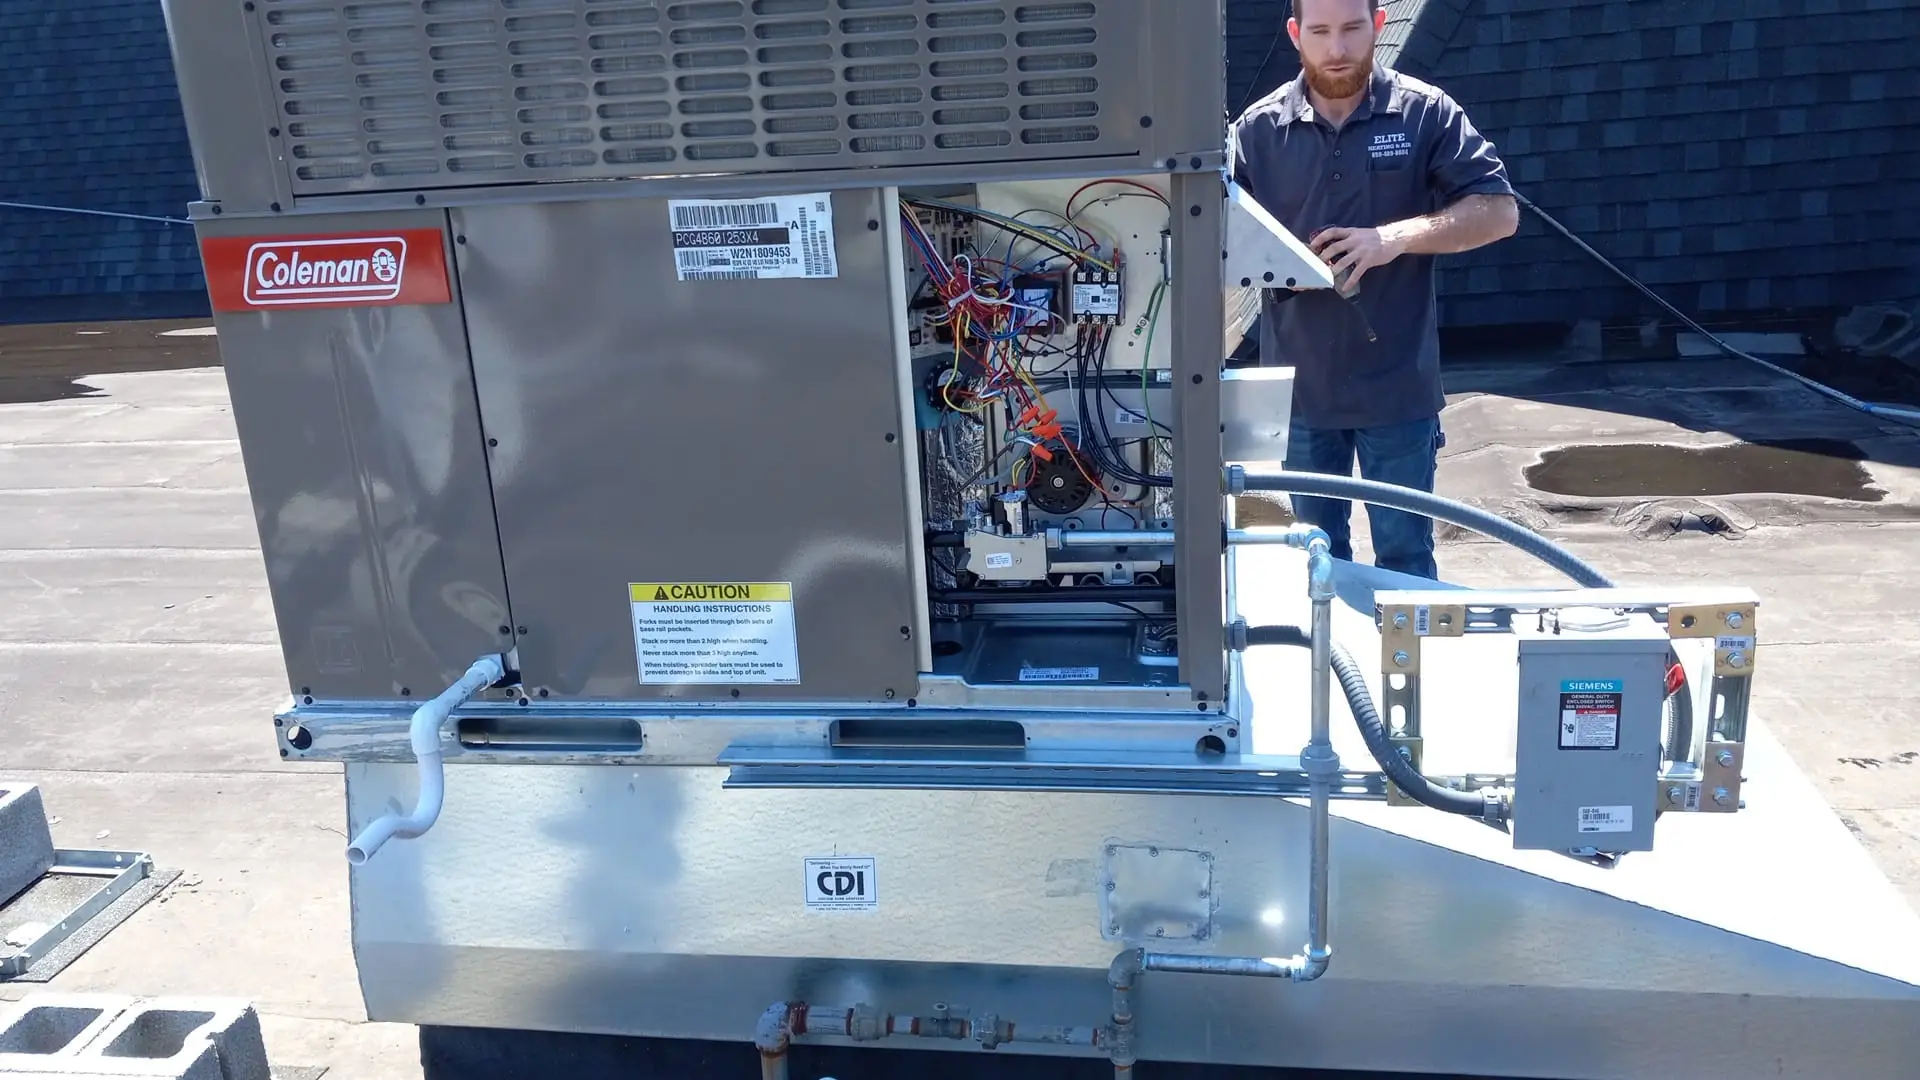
(26, 847)
(88, 1036)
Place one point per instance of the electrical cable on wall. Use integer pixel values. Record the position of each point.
(92, 213)
(1884, 412)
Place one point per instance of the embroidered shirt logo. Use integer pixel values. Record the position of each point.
(1390, 145)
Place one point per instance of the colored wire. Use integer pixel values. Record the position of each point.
(1135, 184)
(1021, 228)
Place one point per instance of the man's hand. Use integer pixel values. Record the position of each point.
(1474, 221)
(1353, 252)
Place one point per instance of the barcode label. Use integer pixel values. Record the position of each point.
(1606, 819)
(788, 236)
(716, 215)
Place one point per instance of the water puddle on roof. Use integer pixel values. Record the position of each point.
(1829, 468)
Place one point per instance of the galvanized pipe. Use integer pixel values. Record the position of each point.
(1294, 536)
(788, 1020)
(1322, 766)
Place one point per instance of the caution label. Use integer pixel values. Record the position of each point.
(1590, 714)
(715, 632)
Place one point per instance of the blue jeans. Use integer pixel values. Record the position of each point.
(1402, 454)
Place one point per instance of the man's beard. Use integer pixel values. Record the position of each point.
(1341, 87)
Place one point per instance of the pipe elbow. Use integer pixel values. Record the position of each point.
(1311, 965)
(1125, 968)
(423, 735)
(773, 1035)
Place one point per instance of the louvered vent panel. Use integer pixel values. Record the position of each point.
(402, 94)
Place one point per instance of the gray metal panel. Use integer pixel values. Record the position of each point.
(1199, 234)
(392, 95)
(657, 430)
(362, 445)
(651, 900)
(1587, 787)
(230, 119)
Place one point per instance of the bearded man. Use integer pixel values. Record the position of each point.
(1379, 172)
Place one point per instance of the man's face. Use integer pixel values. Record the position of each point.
(1335, 39)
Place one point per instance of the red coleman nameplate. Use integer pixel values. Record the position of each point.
(251, 273)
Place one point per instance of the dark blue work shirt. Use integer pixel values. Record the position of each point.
(1407, 150)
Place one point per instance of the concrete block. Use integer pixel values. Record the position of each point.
(26, 847)
(75, 1036)
(51, 1024)
(178, 1029)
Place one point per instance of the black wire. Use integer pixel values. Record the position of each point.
(1060, 246)
(1273, 49)
(1125, 472)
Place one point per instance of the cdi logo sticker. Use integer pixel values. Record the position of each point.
(842, 884)
(402, 267)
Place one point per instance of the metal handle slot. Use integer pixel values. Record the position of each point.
(573, 735)
(889, 733)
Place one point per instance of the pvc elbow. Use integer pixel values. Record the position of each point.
(423, 734)
(426, 811)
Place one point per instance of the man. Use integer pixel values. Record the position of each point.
(1379, 172)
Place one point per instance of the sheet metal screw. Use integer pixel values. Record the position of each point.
(1722, 796)
(1725, 758)
(1734, 620)
(1401, 659)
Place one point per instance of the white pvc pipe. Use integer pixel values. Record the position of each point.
(424, 734)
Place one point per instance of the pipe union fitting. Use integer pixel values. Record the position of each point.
(1320, 763)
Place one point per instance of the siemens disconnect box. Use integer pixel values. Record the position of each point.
(1592, 707)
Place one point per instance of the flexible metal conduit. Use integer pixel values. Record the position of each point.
(1240, 481)
(1322, 765)
(424, 734)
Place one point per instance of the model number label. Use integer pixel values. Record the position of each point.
(734, 238)
(786, 236)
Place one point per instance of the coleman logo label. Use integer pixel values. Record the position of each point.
(401, 267)
(320, 271)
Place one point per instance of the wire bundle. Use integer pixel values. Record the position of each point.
(999, 338)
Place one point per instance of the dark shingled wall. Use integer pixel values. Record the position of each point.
(92, 120)
(1737, 155)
